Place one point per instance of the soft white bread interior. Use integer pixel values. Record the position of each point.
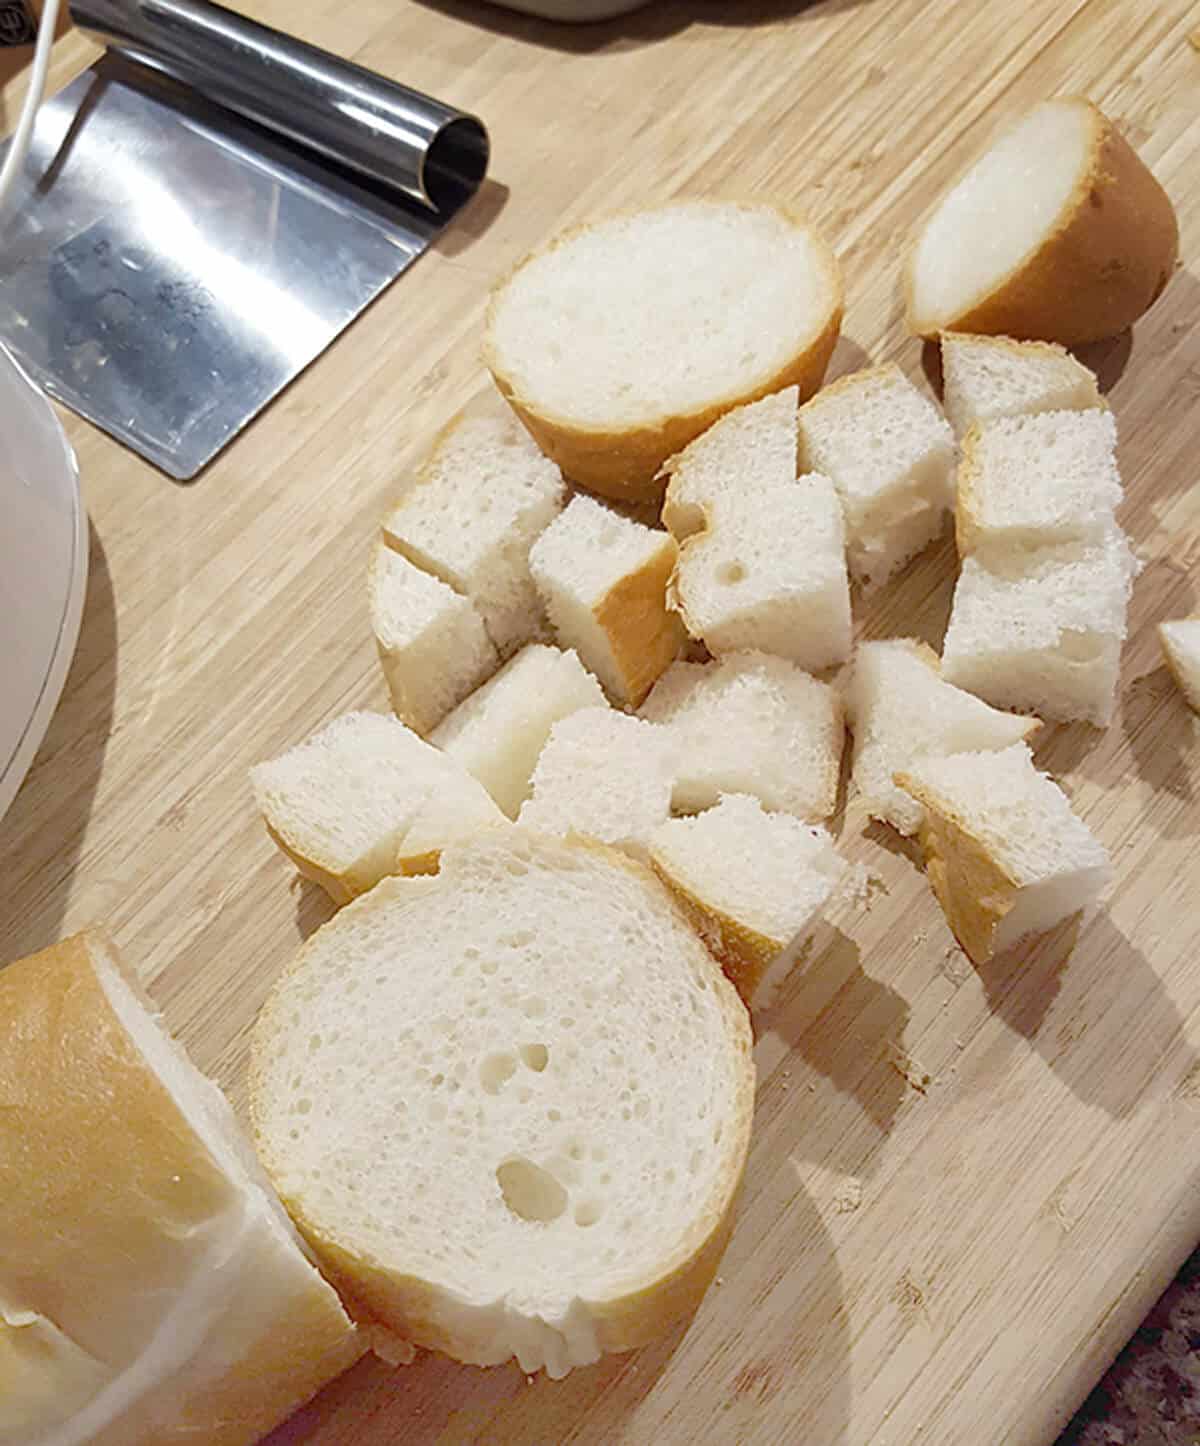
(890, 454)
(1004, 852)
(737, 507)
(469, 1087)
(153, 1291)
(498, 732)
(1057, 232)
(603, 580)
(751, 723)
(457, 807)
(985, 377)
(1041, 631)
(433, 646)
(749, 449)
(900, 709)
(1181, 649)
(478, 501)
(1037, 481)
(620, 341)
(754, 884)
(605, 775)
(342, 803)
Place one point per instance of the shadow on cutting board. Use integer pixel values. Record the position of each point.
(843, 1024)
(42, 834)
(1053, 996)
(795, 1338)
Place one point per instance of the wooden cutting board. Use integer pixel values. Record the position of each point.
(966, 1187)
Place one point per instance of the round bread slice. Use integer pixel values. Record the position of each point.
(509, 1105)
(621, 341)
(1059, 232)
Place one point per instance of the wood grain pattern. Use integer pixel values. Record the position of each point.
(966, 1187)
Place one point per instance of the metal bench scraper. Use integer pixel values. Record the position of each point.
(204, 210)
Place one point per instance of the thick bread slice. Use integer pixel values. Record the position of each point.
(900, 709)
(1041, 632)
(751, 723)
(341, 804)
(605, 775)
(433, 646)
(498, 732)
(478, 501)
(152, 1289)
(1037, 481)
(510, 1105)
(985, 377)
(620, 341)
(1181, 650)
(1005, 854)
(890, 454)
(753, 883)
(1058, 232)
(748, 450)
(603, 580)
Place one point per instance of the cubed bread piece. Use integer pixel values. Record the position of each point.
(603, 579)
(890, 454)
(340, 803)
(1005, 854)
(432, 643)
(754, 884)
(751, 723)
(900, 709)
(499, 731)
(985, 377)
(1041, 632)
(1181, 648)
(479, 500)
(1037, 481)
(456, 809)
(769, 573)
(747, 450)
(603, 774)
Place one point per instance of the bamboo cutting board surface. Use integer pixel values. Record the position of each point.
(966, 1187)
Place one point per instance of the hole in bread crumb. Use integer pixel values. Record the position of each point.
(731, 572)
(488, 966)
(518, 939)
(530, 1192)
(554, 1116)
(587, 1212)
(697, 1159)
(314, 1043)
(535, 1057)
(534, 1006)
(303, 1106)
(495, 1072)
(525, 1095)
(642, 1108)
(567, 1022)
(575, 1150)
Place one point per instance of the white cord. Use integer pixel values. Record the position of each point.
(19, 146)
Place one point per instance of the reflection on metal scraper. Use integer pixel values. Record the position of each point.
(170, 265)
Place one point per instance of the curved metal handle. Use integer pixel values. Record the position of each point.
(434, 154)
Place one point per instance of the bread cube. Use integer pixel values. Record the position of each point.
(433, 646)
(498, 732)
(751, 723)
(754, 883)
(604, 774)
(1041, 631)
(478, 501)
(340, 803)
(1005, 855)
(900, 709)
(890, 454)
(985, 377)
(1037, 481)
(1181, 648)
(603, 579)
